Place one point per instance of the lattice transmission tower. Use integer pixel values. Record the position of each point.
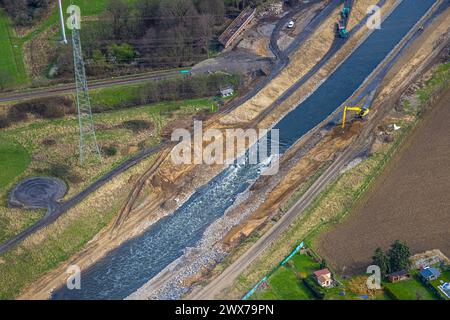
(89, 150)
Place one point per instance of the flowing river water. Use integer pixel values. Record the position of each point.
(134, 263)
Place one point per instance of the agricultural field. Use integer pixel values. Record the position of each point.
(409, 201)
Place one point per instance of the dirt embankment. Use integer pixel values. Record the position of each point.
(263, 190)
(175, 180)
(317, 156)
(409, 201)
(169, 186)
(413, 59)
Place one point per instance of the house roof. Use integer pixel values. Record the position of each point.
(400, 273)
(429, 272)
(322, 272)
(227, 89)
(323, 279)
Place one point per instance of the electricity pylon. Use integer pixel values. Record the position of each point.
(89, 150)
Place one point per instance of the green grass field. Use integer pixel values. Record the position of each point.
(110, 131)
(286, 283)
(412, 289)
(11, 62)
(14, 160)
(23, 152)
(88, 8)
(11, 55)
(24, 265)
(445, 277)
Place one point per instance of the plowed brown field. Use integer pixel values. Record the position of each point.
(410, 201)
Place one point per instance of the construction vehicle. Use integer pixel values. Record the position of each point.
(343, 22)
(361, 113)
(342, 30)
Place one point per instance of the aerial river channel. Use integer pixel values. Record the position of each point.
(134, 263)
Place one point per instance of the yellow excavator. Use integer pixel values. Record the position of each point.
(361, 113)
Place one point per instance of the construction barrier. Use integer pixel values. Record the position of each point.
(282, 263)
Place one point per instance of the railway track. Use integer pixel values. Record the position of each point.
(98, 84)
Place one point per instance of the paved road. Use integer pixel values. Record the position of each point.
(69, 88)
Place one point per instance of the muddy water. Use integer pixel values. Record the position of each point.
(130, 266)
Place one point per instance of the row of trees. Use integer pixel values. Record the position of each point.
(46, 108)
(395, 259)
(25, 12)
(152, 92)
(170, 90)
(152, 34)
(141, 34)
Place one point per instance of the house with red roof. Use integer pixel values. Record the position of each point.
(323, 277)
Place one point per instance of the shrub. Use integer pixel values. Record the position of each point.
(49, 142)
(110, 150)
(74, 178)
(137, 125)
(141, 145)
(4, 122)
(47, 108)
(16, 114)
(121, 52)
(53, 112)
(60, 170)
(312, 285)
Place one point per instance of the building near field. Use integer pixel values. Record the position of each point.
(323, 277)
(227, 91)
(398, 276)
(430, 274)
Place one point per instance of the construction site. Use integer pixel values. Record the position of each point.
(358, 92)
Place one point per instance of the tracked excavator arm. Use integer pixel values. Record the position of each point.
(361, 113)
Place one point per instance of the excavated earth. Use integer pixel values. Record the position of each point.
(409, 201)
(168, 186)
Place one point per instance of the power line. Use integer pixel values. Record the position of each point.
(89, 149)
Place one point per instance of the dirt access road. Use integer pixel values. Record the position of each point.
(229, 275)
(409, 201)
(227, 278)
